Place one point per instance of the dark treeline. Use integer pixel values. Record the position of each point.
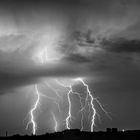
(76, 134)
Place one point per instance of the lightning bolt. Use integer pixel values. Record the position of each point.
(69, 116)
(91, 102)
(55, 122)
(92, 99)
(37, 104)
(32, 111)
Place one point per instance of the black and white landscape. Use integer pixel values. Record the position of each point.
(69, 66)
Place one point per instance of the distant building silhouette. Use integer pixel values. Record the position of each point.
(108, 130)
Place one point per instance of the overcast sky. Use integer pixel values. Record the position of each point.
(95, 39)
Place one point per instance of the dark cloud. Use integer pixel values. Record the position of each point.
(17, 77)
(121, 45)
(77, 58)
(87, 48)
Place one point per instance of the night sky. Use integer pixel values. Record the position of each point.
(41, 41)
